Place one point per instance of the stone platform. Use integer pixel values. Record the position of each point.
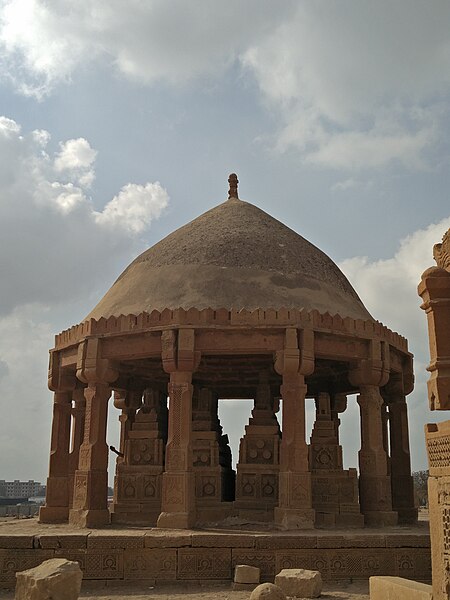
(115, 555)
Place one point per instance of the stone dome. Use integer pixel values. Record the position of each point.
(234, 256)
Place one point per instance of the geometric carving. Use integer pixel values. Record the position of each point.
(204, 563)
(438, 451)
(151, 564)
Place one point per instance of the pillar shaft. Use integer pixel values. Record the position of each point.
(178, 493)
(90, 508)
(295, 503)
(57, 497)
(403, 500)
(374, 480)
(78, 416)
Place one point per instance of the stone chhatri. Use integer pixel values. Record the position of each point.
(233, 305)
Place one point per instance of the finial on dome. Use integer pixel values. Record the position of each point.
(233, 181)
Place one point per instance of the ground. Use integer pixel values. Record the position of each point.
(339, 591)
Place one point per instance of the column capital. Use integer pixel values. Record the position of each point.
(374, 370)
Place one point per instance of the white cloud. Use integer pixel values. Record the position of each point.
(388, 288)
(76, 158)
(57, 243)
(355, 85)
(134, 207)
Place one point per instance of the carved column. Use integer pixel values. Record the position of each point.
(90, 500)
(56, 507)
(78, 417)
(375, 496)
(403, 498)
(179, 358)
(434, 289)
(294, 509)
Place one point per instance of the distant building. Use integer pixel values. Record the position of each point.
(21, 489)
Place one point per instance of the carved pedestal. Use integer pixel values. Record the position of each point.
(334, 491)
(138, 481)
(213, 474)
(374, 480)
(258, 466)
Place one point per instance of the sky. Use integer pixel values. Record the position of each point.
(120, 122)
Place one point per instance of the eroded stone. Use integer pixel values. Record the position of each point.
(56, 578)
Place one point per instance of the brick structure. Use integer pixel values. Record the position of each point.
(233, 305)
(434, 290)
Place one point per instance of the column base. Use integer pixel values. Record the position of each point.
(407, 516)
(380, 518)
(294, 518)
(176, 520)
(89, 518)
(53, 514)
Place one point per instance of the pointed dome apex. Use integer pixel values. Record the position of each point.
(234, 256)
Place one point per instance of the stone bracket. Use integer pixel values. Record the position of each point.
(178, 351)
(91, 367)
(297, 357)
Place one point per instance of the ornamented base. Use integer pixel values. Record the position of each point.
(89, 518)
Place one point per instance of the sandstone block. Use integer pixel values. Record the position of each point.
(246, 574)
(300, 583)
(397, 588)
(55, 578)
(267, 591)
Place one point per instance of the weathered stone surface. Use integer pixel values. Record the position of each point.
(267, 591)
(397, 588)
(246, 574)
(300, 583)
(56, 578)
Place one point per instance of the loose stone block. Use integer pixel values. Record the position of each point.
(267, 591)
(55, 578)
(246, 574)
(300, 583)
(397, 588)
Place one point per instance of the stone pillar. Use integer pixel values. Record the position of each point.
(178, 497)
(374, 481)
(180, 360)
(57, 500)
(403, 498)
(90, 500)
(294, 509)
(78, 416)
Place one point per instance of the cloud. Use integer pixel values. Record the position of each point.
(355, 85)
(57, 244)
(388, 288)
(76, 158)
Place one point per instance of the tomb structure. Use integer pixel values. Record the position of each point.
(434, 290)
(232, 305)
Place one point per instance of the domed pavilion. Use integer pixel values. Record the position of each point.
(232, 305)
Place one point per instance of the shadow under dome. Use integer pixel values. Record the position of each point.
(234, 256)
